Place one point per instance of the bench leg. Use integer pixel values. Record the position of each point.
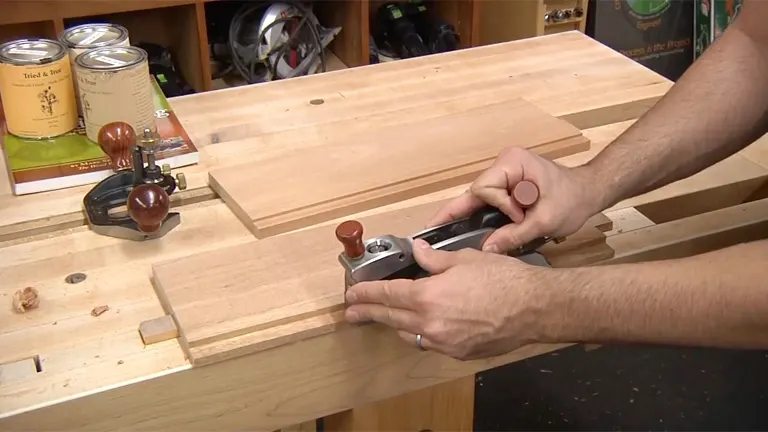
(442, 408)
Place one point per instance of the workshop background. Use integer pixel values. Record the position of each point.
(607, 388)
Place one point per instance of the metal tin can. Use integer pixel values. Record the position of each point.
(37, 89)
(81, 38)
(115, 85)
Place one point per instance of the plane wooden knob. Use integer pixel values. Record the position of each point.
(350, 234)
(116, 140)
(526, 193)
(148, 205)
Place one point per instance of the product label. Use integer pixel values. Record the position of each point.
(93, 37)
(44, 72)
(43, 99)
(108, 96)
(110, 61)
(27, 52)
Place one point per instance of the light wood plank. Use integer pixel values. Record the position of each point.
(444, 407)
(235, 301)
(335, 372)
(589, 85)
(385, 165)
(693, 235)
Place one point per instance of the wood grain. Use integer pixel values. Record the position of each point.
(444, 407)
(693, 235)
(119, 275)
(102, 371)
(235, 301)
(589, 85)
(389, 164)
(297, 382)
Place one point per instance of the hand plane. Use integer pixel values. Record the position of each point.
(139, 184)
(391, 257)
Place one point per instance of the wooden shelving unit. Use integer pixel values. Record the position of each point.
(502, 20)
(180, 25)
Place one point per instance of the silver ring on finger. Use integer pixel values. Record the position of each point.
(418, 342)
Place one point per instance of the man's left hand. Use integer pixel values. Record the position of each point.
(474, 305)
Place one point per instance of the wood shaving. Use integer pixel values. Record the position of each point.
(25, 300)
(98, 310)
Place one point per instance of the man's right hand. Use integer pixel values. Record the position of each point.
(567, 198)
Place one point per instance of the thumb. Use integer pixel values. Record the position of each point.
(510, 237)
(431, 260)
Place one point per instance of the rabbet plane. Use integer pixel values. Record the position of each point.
(391, 257)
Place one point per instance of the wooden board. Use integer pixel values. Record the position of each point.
(385, 165)
(85, 359)
(295, 382)
(589, 85)
(81, 355)
(693, 235)
(444, 407)
(242, 299)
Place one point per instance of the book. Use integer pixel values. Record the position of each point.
(74, 160)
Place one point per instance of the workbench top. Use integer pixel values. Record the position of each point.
(102, 362)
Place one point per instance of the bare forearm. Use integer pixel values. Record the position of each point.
(717, 108)
(717, 299)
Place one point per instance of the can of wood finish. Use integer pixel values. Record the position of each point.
(79, 39)
(37, 88)
(115, 85)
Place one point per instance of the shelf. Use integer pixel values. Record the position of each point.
(503, 21)
(174, 27)
(182, 26)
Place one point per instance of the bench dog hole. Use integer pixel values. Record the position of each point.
(75, 278)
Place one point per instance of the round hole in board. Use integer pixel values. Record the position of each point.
(317, 102)
(75, 278)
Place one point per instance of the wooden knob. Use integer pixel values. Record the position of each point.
(116, 140)
(148, 204)
(350, 234)
(526, 193)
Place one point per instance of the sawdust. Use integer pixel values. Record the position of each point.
(98, 310)
(25, 300)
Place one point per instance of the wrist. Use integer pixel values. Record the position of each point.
(567, 308)
(549, 309)
(595, 191)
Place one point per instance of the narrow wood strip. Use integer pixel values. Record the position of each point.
(66, 221)
(693, 235)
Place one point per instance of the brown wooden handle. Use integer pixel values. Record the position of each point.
(350, 234)
(116, 140)
(526, 193)
(148, 205)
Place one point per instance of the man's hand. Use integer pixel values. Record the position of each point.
(567, 198)
(474, 305)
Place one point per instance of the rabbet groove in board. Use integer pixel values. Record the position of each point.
(384, 165)
(250, 296)
(247, 298)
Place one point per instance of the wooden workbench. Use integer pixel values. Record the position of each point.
(95, 372)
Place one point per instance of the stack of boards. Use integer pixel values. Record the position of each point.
(287, 286)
